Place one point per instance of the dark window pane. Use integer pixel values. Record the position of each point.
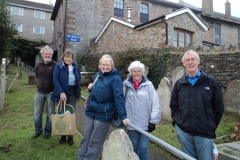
(144, 14)
(143, 17)
(118, 12)
(118, 8)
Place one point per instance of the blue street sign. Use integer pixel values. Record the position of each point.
(73, 38)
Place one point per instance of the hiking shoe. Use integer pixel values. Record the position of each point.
(70, 141)
(62, 140)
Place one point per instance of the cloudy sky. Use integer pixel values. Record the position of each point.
(218, 5)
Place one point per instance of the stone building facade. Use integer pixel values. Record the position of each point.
(88, 18)
(118, 35)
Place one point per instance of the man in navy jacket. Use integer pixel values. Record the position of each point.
(196, 108)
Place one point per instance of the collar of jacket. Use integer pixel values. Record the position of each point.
(47, 63)
(183, 79)
(130, 79)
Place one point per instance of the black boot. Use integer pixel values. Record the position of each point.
(70, 140)
(62, 140)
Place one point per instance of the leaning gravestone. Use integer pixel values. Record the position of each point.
(118, 147)
(164, 94)
(231, 97)
(176, 74)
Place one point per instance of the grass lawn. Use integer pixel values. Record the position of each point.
(17, 127)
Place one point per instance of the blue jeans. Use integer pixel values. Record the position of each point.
(140, 144)
(39, 100)
(200, 148)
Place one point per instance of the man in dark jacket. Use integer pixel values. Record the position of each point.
(44, 74)
(196, 108)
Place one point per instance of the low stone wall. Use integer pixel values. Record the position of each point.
(86, 78)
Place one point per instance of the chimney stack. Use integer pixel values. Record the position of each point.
(207, 7)
(129, 14)
(227, 10)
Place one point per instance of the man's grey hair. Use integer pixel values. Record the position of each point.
(46, 48)
(134, 65)
(190, 52)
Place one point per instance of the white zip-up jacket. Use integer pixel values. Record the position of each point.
(142, 105)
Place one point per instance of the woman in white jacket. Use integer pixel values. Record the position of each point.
(142, 105)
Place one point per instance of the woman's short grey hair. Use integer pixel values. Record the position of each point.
(106, 56)
(134, 65)
(190, 52)
(46, 48)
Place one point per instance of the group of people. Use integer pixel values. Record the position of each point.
(196, 104)
(55, 82)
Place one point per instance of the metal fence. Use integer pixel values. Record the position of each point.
(28, 69)
(156, 140)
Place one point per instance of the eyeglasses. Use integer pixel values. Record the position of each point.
(105, 65)
(190, 60)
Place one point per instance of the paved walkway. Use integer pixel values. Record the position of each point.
(231, 150)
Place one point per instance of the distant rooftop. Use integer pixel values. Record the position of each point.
(29, 4)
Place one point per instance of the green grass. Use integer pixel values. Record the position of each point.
(17, 127)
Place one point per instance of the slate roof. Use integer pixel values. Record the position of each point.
(29, 4)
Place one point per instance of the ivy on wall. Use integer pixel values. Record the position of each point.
(154, 59)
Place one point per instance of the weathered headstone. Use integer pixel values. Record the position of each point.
(164, 94)
(118, 147)
(231, 97)
(177, 73)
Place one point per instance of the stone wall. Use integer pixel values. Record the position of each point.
(223, 65)
(119, 37)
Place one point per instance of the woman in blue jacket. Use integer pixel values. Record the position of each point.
(105, 100)
(66, 79)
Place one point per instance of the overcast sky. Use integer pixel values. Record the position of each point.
(218, 5)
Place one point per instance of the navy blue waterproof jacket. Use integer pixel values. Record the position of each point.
(60, 80)
(106, 97)
(197, 109)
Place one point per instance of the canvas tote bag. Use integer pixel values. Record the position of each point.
(64, 124)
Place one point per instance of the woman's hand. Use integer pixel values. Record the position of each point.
(63, 97)
(125, 121)
(90, 86)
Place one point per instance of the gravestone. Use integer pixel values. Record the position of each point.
(164, 94)
(177, 73)
(118, 147)
(231, 97)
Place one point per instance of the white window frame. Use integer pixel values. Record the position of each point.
(20, 11)
(19, 27)
(42, 14)
(42, 30)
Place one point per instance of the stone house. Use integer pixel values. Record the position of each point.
(118, 35)
(79, 23)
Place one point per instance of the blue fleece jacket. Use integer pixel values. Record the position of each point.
(106, 97)
(60, 80)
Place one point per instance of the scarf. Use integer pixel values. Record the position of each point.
(136, 83)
